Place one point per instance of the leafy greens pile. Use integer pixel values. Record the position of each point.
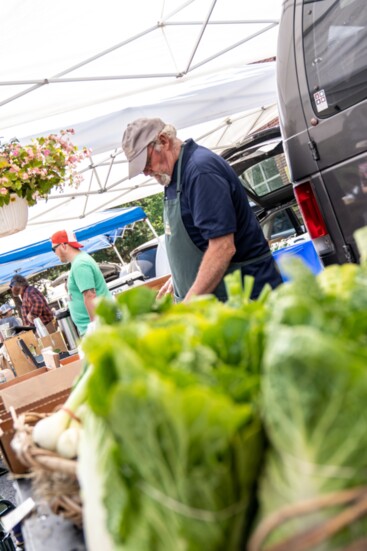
(173, 411)
(314, 389)
(178, 400)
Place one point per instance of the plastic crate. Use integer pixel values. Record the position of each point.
(306, 251)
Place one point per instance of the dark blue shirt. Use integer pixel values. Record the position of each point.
(214, 203)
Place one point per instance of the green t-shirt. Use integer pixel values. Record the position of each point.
(84, 274)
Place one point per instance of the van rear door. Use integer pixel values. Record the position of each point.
(332, 79)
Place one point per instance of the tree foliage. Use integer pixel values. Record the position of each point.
(138, 233)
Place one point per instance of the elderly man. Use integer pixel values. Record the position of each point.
(210, 228)
(34, 304)
(85, 281)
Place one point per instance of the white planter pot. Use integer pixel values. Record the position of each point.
(13, 217)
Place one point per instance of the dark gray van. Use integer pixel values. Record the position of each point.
(322, 92)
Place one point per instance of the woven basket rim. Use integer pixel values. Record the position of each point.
(31, 454)
(47, 465)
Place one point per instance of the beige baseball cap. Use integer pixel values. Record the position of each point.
(137, 136)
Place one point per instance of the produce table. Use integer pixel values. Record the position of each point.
(43, 530)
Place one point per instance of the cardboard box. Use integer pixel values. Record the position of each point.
(40, 394)
(18, 380)
(4, 364)
(55, 340)
(20, 362)
(69, 359)
(41, 387)
(155, 283)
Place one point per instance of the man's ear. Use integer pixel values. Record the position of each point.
(163, 139)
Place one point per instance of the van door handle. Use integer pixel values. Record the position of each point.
(314, 151)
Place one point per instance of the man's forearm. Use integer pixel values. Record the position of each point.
(89, 302)
(213, 266)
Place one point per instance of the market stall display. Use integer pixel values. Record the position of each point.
(178, 403)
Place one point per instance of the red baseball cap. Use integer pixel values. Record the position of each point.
(67, 237)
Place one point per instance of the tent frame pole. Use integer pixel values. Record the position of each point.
(151, 228)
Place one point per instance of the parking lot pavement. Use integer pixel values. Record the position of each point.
(7, 490)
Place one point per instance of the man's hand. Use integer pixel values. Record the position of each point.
(213, 266)
(166, 289)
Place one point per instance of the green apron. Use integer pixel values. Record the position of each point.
(183, 255)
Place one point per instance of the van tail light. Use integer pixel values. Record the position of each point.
(313, 219)
(310, 210)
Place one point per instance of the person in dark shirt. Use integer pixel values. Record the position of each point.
(210, 229)
(34, 304)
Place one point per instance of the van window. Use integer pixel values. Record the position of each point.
(335, 45)
(266, 176)
(282, 224)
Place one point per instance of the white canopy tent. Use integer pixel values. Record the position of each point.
(96, 66)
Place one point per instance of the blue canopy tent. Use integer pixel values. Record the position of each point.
(34, 254)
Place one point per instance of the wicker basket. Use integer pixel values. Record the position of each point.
(347, 507)
(54, 478)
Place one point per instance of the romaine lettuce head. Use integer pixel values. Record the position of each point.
(314, 391)
(179, 392)
(186, 467)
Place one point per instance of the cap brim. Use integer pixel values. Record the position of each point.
(137, 165)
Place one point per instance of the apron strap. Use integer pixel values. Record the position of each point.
(178, 185)
(251, 260)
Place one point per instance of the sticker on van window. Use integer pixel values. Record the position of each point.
(320, 100)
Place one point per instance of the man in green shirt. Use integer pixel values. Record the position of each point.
(85, 281)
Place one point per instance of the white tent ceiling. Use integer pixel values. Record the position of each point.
(95, 66)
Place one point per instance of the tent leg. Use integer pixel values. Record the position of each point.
(123, 263)
(151, 228)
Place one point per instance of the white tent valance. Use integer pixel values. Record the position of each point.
(96, 66)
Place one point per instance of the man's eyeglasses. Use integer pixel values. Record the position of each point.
(148, 165)
(54, 247)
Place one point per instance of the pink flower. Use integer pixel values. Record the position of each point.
(56, 159)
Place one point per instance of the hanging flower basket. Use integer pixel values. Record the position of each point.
(31, 171)
(14, 216)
